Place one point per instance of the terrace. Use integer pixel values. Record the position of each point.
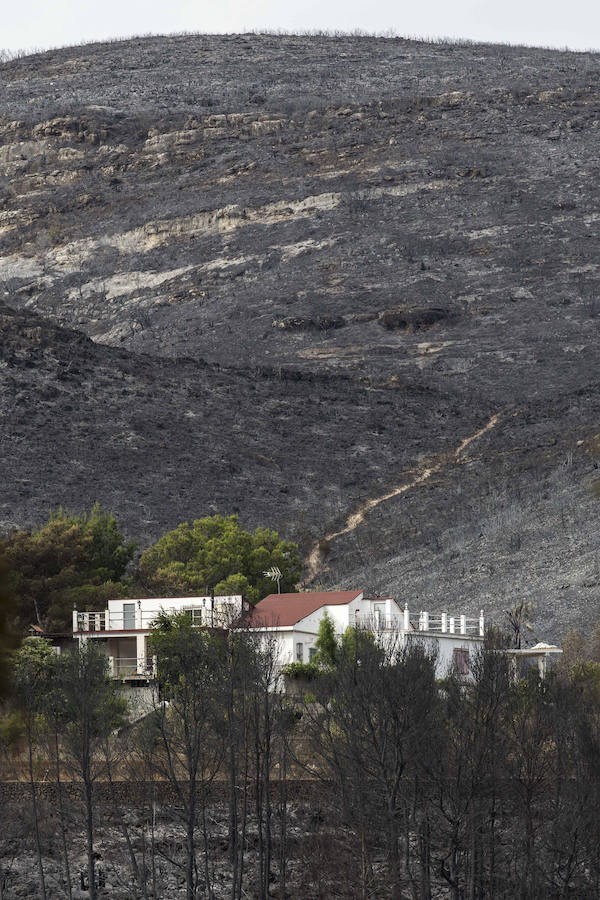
(131, 616)
(430, 623)
(121, 630)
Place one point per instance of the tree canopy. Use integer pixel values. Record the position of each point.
(71, 559)
(215, 553)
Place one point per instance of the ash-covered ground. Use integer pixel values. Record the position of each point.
(289, 276)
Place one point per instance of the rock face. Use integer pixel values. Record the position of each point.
(347, 287)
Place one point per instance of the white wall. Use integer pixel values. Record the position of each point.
(286, 644)
(445, 645)
(341, 615)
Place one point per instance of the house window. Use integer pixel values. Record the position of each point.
(197, 616)
(461, 661)
(311, 653)
(299, 652)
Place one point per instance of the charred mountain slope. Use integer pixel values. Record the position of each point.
(346, 286)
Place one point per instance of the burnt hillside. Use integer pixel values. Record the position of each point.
(294, 276)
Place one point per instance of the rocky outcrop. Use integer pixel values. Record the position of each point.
(413, 318)
(306, 323)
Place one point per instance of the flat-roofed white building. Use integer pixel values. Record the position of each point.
(122, 628)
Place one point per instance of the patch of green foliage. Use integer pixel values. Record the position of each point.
(215, 553)
(299, 670)
(187, 656)
(586, 677)
(72, 559)
(81, 560)
(326, 643)
(12, 730)
(72, 691)
(331, 653)
(356, 642)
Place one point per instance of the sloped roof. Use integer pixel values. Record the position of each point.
(288, 609)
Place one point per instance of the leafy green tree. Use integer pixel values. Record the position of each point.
(233, 584)
(326, 643)
(356, 642)
(110, 554)
(216, 553)
(71, 559)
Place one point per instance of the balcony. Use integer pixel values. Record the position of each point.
(132, 668)
(442, 623)
(100, 622)
(105, 622)
(430, 623)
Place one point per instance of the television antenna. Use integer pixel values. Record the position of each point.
(274, 574)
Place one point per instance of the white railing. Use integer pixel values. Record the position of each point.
(132, 667)
(141, 620)
(442, 623)
(436, 623)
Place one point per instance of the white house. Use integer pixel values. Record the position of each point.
(293, 621)
(123, 627)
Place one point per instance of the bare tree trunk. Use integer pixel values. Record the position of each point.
(394, 856)
(207, 871)
(191, 845)
(244, 819)
(263, 738)
(364, 864)
(122, 825)
(282, 817)
(233, 773)
(89, 821)
(233, 801)
(61, 810)
(267, 792)
(258, 799)
(425, 859)
(153, 842)
(35, 811)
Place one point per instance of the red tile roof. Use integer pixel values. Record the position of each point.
(288, 609)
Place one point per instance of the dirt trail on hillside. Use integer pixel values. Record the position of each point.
(314, 561)
(469, 440)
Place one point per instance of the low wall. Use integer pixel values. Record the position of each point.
(140, 697)
(129, 793)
